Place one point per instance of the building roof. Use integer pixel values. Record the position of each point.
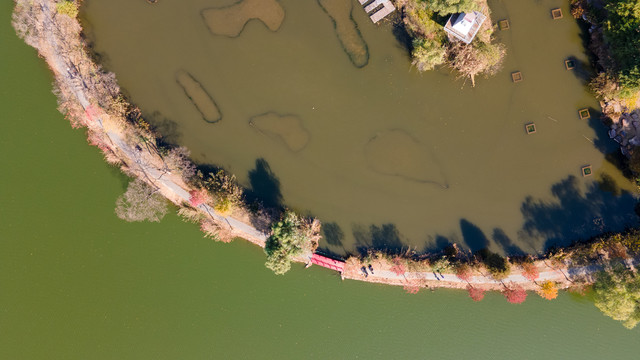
(464, 22)
(463, 26)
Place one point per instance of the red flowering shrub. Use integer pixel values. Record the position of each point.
(398, 266)
(198, 197)
(515, 294)
(530, 271)
(475, 293)
(463, 272)
(411, 289)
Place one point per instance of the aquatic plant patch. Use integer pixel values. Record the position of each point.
(569, 64)
(516, 76)
(531, 128)
(584, 114)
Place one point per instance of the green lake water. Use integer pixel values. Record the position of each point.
(384, 156)
(77, 283)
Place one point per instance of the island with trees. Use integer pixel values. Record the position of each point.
(431, 47)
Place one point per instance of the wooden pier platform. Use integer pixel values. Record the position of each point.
(385, 8)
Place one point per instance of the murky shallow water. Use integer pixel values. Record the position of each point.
(385, 156)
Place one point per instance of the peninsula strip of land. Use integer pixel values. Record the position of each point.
(91, 98)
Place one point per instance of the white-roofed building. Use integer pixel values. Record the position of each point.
(464, 26)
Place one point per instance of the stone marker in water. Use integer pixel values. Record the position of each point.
(347, 30)
(199, 97)
(396, 153)
(285, 128)
(230, 20)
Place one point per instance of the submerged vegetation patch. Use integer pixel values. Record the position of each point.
(199, 97)
(347, 30)
(397, 153)
(285, 128)
(231, 20)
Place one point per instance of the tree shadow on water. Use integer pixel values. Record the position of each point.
(601, 141)
(582, 70)
(575, 214)
(402, 36)
(333, 246)
(167, 129)
(333, 234)
(265, 186)
(509, 247)
(608, 184)
(607, 146)
(385, 237)
(473, 237)
(585, 37)
(439, 243)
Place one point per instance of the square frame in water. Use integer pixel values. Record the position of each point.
(584, 114)
(516, 76)
(570, 64)
(530, 128)
(556, 13)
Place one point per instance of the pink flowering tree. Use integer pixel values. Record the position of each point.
(411, 289)
(198, 197)
(398, 266)
(463, 272)
(475, 293)
(515, 294)
(530, 271)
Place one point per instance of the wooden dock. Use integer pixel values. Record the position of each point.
(384, 8)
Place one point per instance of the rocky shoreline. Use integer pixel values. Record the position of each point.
(625, 130)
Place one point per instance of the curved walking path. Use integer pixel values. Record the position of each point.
(50, 44)
(433, 279)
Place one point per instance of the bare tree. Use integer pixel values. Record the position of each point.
(476, 58)
(177, 160)
(141, 202)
